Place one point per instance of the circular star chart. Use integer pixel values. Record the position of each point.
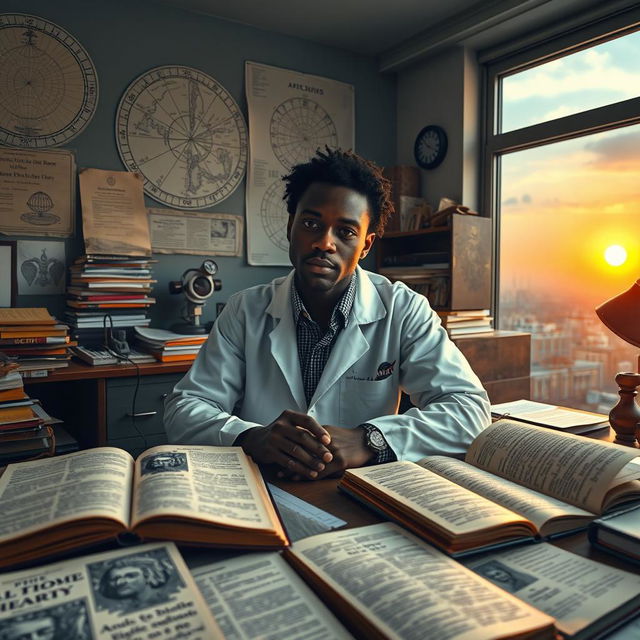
(185, 134)
(274, 216)
(48, 84)
(298, 127)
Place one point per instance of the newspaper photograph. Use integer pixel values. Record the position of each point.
(37, 193)
(133, 593)
(194, 233)
(291, 115)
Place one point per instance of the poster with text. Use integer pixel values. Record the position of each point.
(291, 115)
(37, 192)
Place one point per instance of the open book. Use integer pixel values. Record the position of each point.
(206, 496)
(139, 592)
(258, 595)
(383, 582)
(518, 482)
(586, 598)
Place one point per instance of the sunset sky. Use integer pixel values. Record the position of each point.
(563, 204)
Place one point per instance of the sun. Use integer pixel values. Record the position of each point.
(615, 255)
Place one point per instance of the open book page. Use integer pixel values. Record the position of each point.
(444, 503)
(408, 589)
(218, 484)
(578, 592)
(528, 503)
(571, 468)
(260, 596)
(141, 592)
(51, 491)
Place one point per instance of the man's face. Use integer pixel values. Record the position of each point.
(127, 581)
(42, 629)
(498, 574)
(328, 235)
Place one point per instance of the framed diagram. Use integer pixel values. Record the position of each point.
(185, 134)
(49, 83)
(291, 115)
(8, 278)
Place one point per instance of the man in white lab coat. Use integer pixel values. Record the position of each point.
(306, 371)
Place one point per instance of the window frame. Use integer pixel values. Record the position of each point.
(495, 144)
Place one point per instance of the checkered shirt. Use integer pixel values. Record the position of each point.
(314, 347)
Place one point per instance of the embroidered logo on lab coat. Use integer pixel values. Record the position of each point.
(385, 369)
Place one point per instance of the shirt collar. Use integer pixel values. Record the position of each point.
(340, 312)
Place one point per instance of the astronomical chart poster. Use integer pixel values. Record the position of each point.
(37, 192)
(291, 115)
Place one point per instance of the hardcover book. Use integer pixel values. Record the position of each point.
(518, 483)
(194, 495)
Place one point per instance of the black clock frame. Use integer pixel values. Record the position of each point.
(442, 151)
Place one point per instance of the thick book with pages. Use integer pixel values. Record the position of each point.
(383, 582)
(192, 495)
(618, 533)
(518, 483)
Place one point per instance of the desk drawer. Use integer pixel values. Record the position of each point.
(149, 407)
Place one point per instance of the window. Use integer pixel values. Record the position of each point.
(563, 162)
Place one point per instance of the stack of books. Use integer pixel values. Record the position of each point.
(24, 430)
(465, 323)
(35, 340)
(167, 346)
(114, 286)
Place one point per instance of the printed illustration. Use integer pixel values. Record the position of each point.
(291, 115)
(273, 215)
(49, 84)
(298, 127)
(41, 267)
(166, 461)
(185, 134)
(128, 584)
(68, 621)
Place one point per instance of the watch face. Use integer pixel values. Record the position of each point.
(376, 439)
(430, 146)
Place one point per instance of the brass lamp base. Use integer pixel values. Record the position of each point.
(625, 416)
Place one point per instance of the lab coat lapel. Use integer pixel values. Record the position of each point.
(352, 344)
(284, 346)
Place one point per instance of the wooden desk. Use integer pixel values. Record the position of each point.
(95, 401)
(324, 494)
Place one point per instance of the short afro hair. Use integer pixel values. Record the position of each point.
(342, 169)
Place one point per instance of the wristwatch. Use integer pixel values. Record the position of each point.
(375, 441)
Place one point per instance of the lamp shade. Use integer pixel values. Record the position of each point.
(621, 314)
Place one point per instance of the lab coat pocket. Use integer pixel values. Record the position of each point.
(363, 400)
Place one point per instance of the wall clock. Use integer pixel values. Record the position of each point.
(48, 84)
(182, 131)
(430, 146)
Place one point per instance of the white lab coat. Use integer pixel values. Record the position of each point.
(248, 372)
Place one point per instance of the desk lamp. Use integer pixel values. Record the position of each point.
(621, 314)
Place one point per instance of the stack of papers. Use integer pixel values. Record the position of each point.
(549, 415)
(167, 346)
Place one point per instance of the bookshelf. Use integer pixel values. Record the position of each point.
(463, 247)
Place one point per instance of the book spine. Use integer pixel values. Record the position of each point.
(34, 340)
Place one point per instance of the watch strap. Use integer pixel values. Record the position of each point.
(382, 454)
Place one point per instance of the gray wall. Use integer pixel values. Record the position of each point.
(443, 90)
(125, 39)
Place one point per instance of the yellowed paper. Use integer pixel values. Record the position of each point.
(199, 234)
(26, 315)
(37, 193)
(114, 218)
